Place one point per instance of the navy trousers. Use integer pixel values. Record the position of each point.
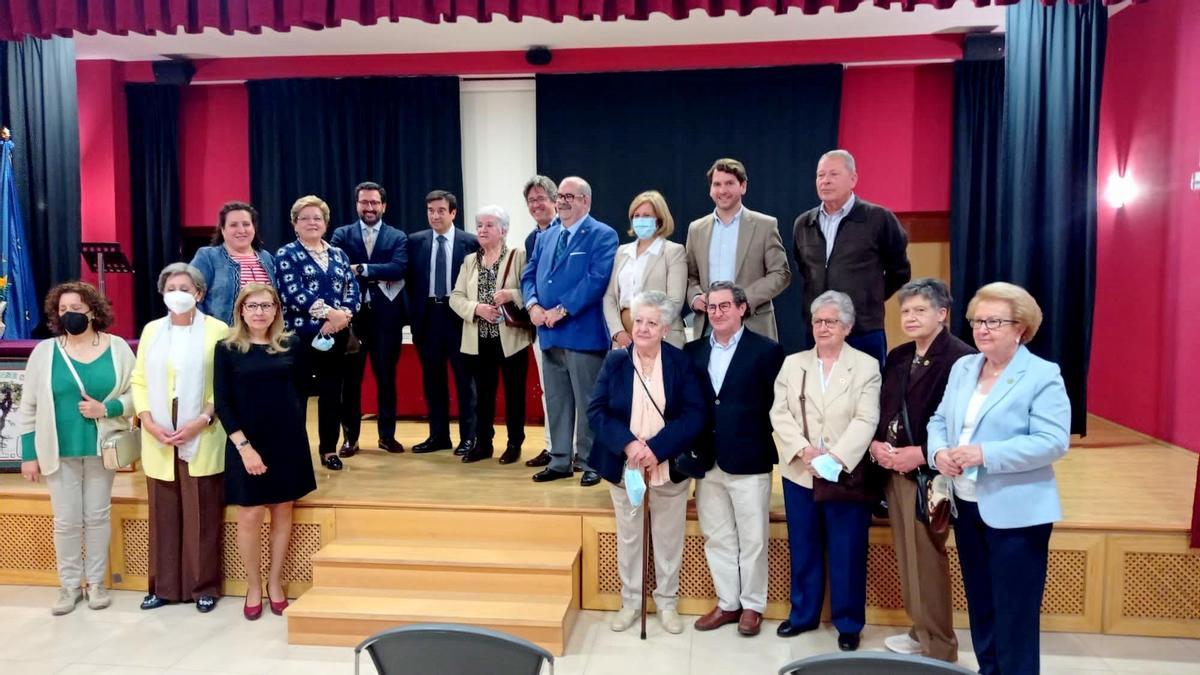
(839, 529)
(1004, 573)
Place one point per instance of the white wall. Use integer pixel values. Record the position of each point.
(499, 149)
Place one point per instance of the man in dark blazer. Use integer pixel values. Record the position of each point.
(434, 258)
(850, 245)
(378, 255)
(733, 500)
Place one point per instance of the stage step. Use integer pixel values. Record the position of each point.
(344, 616)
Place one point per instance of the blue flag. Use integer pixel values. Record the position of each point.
(21, 313)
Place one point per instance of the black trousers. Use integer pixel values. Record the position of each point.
(379, 328)
(326, 370)
(438, 344)
(488, 367)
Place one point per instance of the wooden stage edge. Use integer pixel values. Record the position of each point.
(1119, 560)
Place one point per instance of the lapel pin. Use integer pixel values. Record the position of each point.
(925, 362)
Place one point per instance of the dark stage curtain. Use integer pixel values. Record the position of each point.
(324, 136)
(629, 132)
(42, 18)
(39, 105)
(1043, 234)
(154, 190)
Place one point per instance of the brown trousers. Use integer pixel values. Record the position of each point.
(186, 518)
(924, 572)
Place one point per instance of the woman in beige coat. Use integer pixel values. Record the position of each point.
(825, 412)
(649, 263)
(487, 281)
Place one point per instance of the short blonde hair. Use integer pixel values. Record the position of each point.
(307, 201)
(666, 224)
(239, 332)
(1025, 309)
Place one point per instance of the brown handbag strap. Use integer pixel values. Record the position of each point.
(507, 265)
(803, 407)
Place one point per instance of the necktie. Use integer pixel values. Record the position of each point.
(560, 249)
(370, 240)
(439, 269)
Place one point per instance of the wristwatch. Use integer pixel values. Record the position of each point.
(244, 443)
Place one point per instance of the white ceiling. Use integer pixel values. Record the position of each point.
(412, 36)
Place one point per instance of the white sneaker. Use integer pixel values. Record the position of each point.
(67, 599)
(98, 597)
(670, 621)
(624, 619)
(902, 644)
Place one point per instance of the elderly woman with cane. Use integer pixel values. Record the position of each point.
(646, 409)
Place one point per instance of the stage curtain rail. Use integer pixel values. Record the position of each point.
(43, 18)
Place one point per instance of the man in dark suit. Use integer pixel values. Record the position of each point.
(378, 255)
(434, 258)
(850, 245)
(733, 500)
(564, 284)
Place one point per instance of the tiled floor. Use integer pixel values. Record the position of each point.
(177, 639)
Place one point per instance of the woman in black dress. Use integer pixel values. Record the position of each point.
(259, 376)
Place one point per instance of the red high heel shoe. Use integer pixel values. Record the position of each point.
(252, 613)
(277, 607)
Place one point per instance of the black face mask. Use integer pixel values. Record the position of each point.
(74, 323)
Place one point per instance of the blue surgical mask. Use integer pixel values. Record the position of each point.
(644, 226)
(322, 342)
(635, 486)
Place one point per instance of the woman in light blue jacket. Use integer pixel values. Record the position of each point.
(235, 258)
(1002, 423)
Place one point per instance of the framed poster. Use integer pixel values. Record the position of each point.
(12, 382)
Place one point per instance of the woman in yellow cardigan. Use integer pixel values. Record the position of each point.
(183, 446)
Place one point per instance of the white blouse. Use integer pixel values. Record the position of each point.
(964, 488)
(629, 279)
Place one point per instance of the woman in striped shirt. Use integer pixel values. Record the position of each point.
(235, 258)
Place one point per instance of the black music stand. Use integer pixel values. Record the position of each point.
(102, 257)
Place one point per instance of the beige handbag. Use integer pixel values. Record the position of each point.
(120, 449)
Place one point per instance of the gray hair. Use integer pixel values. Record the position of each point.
(540, 181)
(495, 211)
(845, 157)
(667, 308)
(585, 188)
(181, 268)
(739, 294)
(929, 288)
(845, 306)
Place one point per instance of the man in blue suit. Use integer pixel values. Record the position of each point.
(435, 257)
(378, 255)
(564, 284)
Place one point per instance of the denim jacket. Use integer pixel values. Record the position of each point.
(224, 279)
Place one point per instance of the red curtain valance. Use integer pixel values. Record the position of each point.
(43, 18)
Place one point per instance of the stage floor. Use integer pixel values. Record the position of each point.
(1114, 479)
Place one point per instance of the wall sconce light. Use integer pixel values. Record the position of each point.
(1121, 190)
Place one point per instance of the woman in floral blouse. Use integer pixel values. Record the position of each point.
(319, 297)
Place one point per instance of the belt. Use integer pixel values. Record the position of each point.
(439, 301)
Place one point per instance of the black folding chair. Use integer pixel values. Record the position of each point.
(421, 649)
(870, 663)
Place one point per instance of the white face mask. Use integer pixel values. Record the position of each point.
(179, 302)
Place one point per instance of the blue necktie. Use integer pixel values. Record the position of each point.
(560, 249)
(439, 269)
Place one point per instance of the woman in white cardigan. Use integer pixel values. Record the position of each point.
(487, 280)
(76, 393)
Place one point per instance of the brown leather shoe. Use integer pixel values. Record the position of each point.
(392, 446)
(348, 449)
(717, 618)
(750, 623)
(543, 459)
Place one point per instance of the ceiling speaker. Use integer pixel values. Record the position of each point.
(983, 47)
(538, 56)
(176, 71)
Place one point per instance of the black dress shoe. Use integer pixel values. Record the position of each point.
(331, 462)
(464, 448)
(348, 449)
(548, 474)
(848, 642)
(391, 446)
(543, 459)
(589, 479)
(789, 629)
(152, 601)
(432, 445)
(477, 453)
(206, 604)
(511, 454)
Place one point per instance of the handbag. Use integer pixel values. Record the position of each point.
(119, 449)
(850, 486)
(514, 316)
(932, 501)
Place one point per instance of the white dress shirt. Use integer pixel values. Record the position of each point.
(831, 221)
(433, 249)
(629, 279)
(720, 358)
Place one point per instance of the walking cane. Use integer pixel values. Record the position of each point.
(645, 548)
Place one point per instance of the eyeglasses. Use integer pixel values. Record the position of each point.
(828, 323)
(255, 307)
(991, 324)
(540, 199)
(568, 197)
(370, 203)
(722, 306)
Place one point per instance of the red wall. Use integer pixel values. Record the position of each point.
(1143, 374)
(214, 152)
